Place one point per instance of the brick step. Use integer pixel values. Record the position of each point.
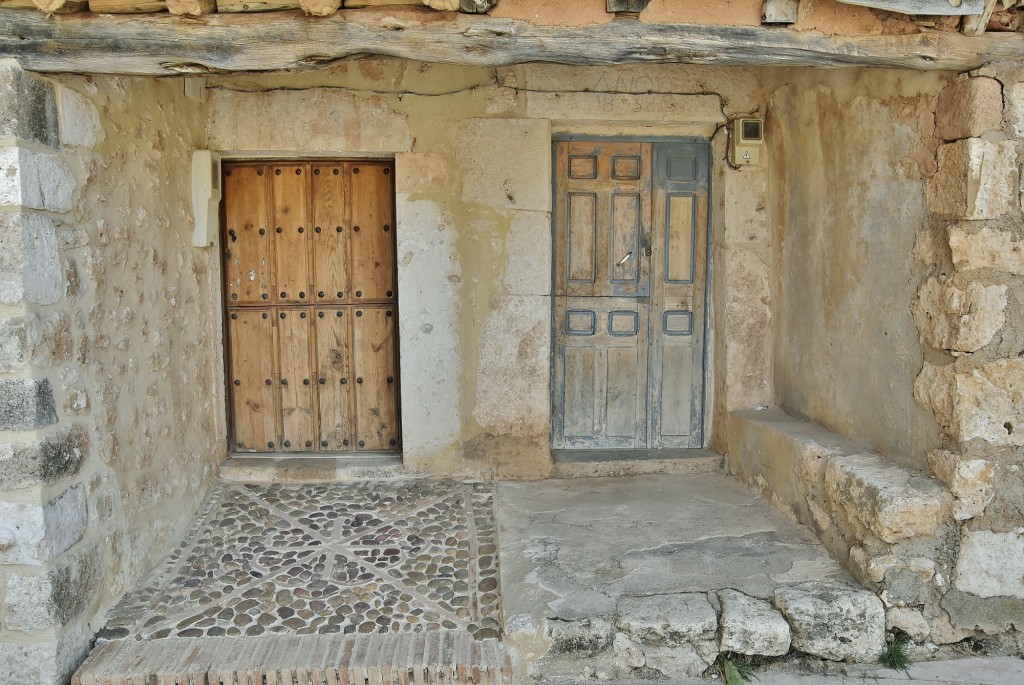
(444, 656)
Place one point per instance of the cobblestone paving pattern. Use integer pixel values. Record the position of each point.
(352, 558)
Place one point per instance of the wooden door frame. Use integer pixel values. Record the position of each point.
(705, 372)
(219, 287)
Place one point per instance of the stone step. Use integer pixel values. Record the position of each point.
(680, 635)
(409, 658)
(270, 469)
(591, 463)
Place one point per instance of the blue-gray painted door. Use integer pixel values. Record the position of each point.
(630, 271)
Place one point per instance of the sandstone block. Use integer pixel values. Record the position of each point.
(588, 635)
(57, 456)
(56, 597)
(834, 621)
(1013, 96)
(674, 619)
(910, 621)
(27, 110)
(987, 248)
(29, 261)
(26, 404)
(974, 180)
(991, 564)
(959, 319)
(13, 343)
(28, 663)
(969, 107)
(752, 626)
(506, 163)
(882, 498)
(36, 180)
(79, 119)
(988, 403)
(44, 531)
(970, 481)
(987, 614)
(528, 246)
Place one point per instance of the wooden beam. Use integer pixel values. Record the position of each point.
(127, 6)
(976, 25)
(922, 7)
(230, 6)
(165, 45)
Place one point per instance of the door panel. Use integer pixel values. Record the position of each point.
(246, 241)
(334, 377)
(601, 371)
(296, 380)
(251, 379)
(376, 373)
(373, 244)
(290, 219)
(630, 265)
(330, 233)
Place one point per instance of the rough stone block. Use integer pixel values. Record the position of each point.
(674, 619)
(882, 498)
(13, 343)
(42, 532)
(528, 246)
(748, 322)
(1013, 96)
(513, 376)
(79, 118)
(969, 107)
(910, 621)
(28, 663)
(987, 614)
(752, 626)
(588, 635)
(834, 621)
(27, 110)
(26, 404)
(37, 180)
(988, 403)
(959, 319)
(57, 456)
(974, 180)
(29, 261)
(55, 598)
(970, 481)
(506, 163)
(987, 248)
(991, 564)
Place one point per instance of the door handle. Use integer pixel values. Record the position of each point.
(629, 255)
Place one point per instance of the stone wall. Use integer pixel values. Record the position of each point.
(970, 312)
(112, 419)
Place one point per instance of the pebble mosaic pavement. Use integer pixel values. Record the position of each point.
(353, 558)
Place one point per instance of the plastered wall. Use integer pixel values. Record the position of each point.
(473, 159)
(849, 155)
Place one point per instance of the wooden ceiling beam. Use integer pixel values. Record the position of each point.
(164, 45)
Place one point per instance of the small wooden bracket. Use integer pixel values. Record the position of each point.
(627, 6)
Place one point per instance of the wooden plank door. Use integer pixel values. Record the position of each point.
(311, 300)
(630, 268)
(602, 285)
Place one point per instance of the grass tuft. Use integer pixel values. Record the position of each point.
(895, 655)
(735, 671)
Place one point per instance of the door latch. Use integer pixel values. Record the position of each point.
(629, 255)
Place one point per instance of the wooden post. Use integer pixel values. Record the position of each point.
(191, 8)
(975, 25)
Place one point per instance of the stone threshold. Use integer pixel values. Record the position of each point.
(269, 469)
(595, 463)
(412, 658)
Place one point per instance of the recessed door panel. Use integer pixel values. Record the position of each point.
(251, 379)
(245, 239)
(373, 234)
(375, 369)
(290, 197)
(330, 233)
